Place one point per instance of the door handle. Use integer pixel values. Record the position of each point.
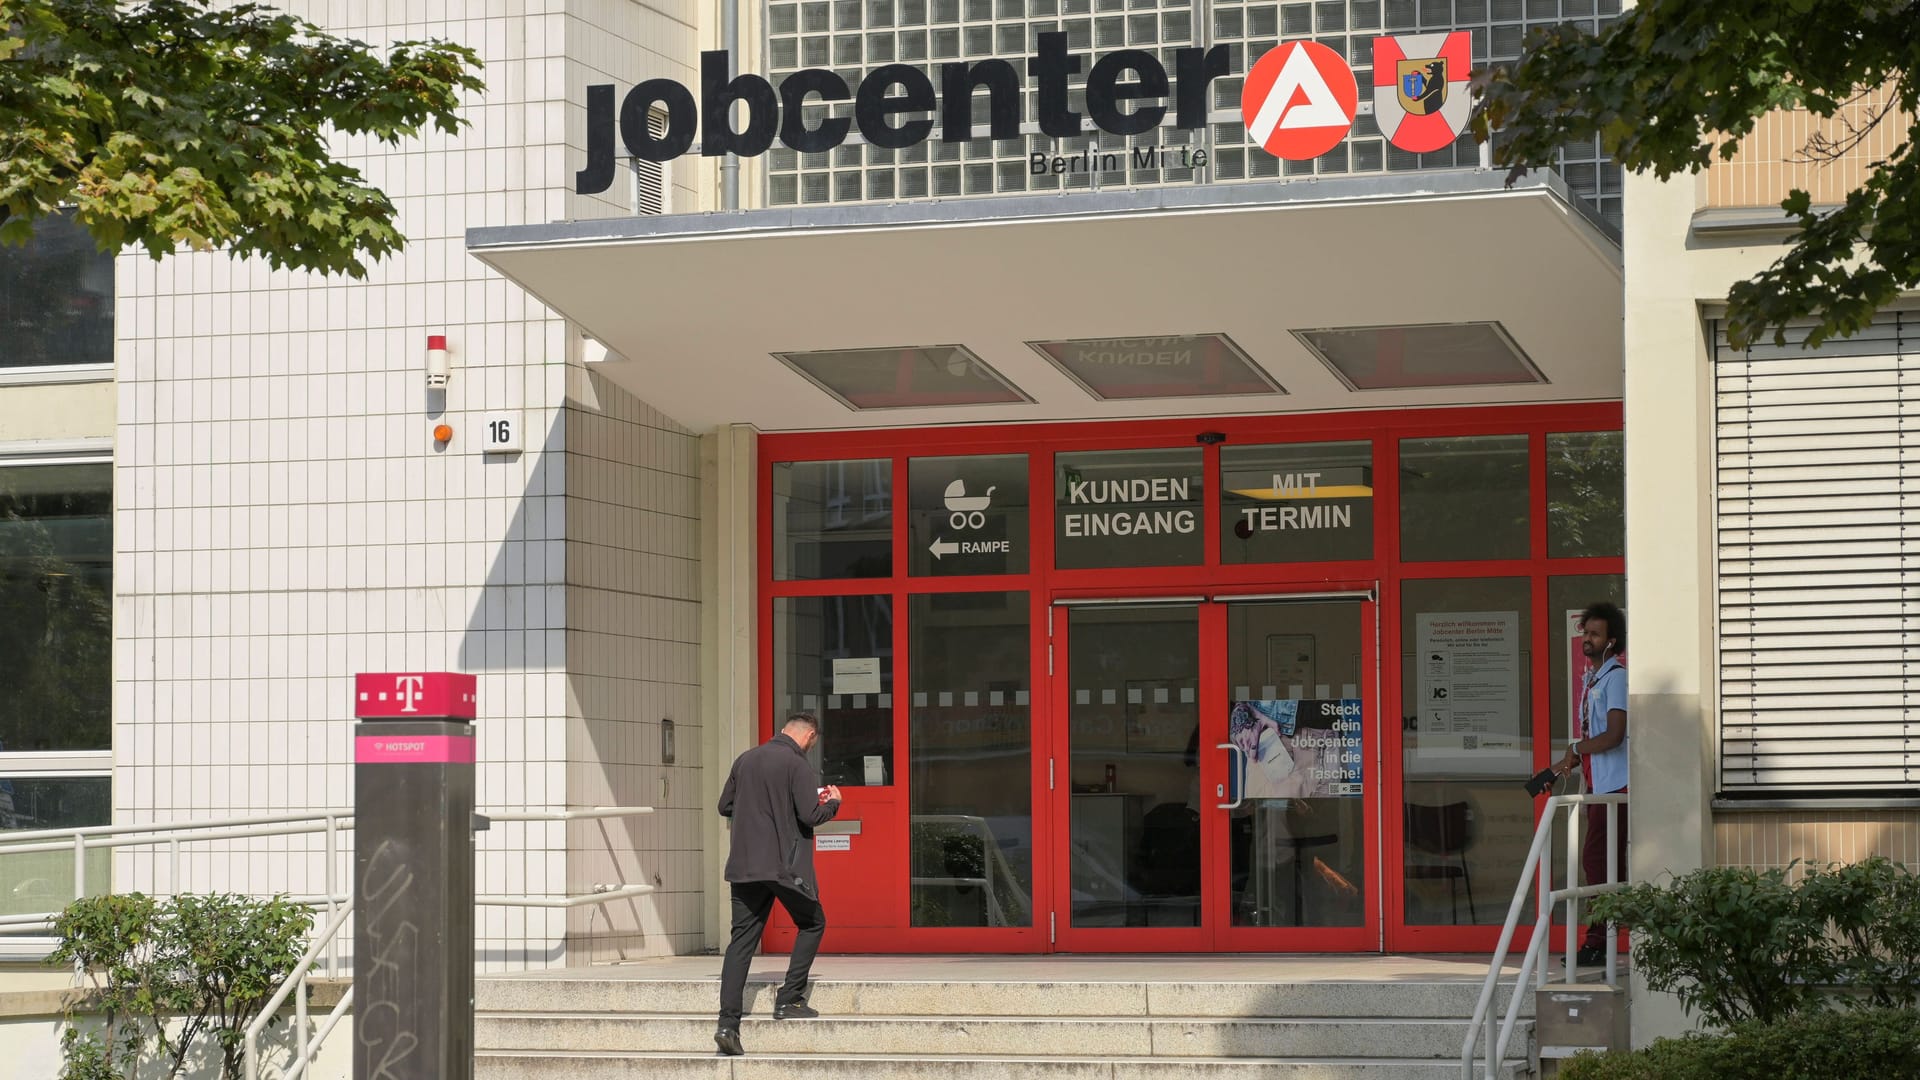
(1221, 789)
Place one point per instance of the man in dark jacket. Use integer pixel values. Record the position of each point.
(774, 798)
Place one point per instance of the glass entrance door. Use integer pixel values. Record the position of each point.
(1129, 692)
(1214, 765)
(1299, 791)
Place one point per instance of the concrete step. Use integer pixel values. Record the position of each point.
(502, 1065)
(1143, 1037)
(700, 997)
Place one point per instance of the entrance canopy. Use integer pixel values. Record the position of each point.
(1397, 291)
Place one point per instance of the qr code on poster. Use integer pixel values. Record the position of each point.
(1469, 742)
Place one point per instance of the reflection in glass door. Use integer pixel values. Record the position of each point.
(970, 761)
(1299, 745)
(1131, 697)
(1216, 776)
(1466, 688)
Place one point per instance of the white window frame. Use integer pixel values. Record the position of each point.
(54, 764)
(56, 374)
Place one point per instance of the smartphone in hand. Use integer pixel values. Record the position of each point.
(1542, 782)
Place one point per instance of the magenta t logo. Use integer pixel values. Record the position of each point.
(407, 689)
(413, 694)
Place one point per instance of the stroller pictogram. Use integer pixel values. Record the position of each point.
(968, 512)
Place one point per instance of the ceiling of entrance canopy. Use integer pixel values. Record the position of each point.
(1401, 291)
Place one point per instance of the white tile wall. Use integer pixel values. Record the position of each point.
(285, 519)
(633, 585)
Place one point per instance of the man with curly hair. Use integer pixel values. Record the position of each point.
(1602, 751)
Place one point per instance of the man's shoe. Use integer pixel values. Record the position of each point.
(799, 1010)
(1590, 955)
(728, 1040)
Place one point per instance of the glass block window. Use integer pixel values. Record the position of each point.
(852, 37)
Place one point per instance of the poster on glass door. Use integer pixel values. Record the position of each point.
(1470, 720)
(1297, 749)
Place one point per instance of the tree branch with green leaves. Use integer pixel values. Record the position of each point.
(1674, 85)
(171, 124)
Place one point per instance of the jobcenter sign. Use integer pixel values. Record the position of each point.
(1298, 100)
(1127, 94)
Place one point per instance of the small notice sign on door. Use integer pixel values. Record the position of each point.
(833, 842)
(856, 675)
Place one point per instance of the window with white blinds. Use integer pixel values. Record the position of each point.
(651, 191)
(1817, 511)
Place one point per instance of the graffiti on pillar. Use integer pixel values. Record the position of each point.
(386, 1022)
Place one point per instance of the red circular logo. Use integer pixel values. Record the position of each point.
(1299, 100)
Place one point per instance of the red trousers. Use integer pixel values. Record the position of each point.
(1593, 857)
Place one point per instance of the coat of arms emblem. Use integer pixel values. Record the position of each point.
(1420, 99)
(1423, 85)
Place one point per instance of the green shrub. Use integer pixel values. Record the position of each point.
(1862, 1044)
(1731, 943)
(1736, 944)
(1873, 908)
(1667, 1059)
(175, 981)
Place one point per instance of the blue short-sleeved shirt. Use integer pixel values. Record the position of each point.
(1606, 691)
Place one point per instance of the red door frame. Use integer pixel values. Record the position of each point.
(1217, 932)
(1367, 937)
(1043, 584)
(1059, 887)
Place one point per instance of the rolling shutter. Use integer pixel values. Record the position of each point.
(1817, 522)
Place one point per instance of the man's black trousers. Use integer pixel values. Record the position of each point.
(752, 903)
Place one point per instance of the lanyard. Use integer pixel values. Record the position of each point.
(1586, 698)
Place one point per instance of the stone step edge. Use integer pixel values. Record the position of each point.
(510, 987)
(773, 979)
(672, 1055)
(922, 1018)
(512, 983)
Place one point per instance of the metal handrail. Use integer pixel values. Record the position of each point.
(309, 1048)
(20, 924)
(338, 905)
(331, 822)
(172, 826)
(295, 984)
(599, 896)
(159, 836)
(173, 834)
(588, 813)
(1534, 964)
(297, 980)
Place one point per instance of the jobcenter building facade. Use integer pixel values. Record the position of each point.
(1168, 576)
(1180, 559)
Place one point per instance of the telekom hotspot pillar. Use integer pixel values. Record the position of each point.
(413, 876)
